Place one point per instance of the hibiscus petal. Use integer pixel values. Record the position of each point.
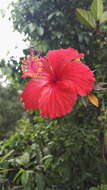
(55, 101)
(56, 60)
(30, 95)
(82, 77)
(71, 53)
(59, 54)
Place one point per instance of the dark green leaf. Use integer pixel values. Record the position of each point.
(40, 181)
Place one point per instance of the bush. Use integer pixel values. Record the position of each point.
(52, 155)
(99, 187)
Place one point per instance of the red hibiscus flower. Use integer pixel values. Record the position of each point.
(54, 91)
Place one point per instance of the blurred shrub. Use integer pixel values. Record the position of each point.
(52, 155)
(99, 187)
(10, 110)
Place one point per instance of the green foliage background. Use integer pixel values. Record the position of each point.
(69, 153)
(49, 24)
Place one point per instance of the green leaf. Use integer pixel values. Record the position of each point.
(32, 27)
(97, 9)
(47, 157)
(24, 159)
(86, 18)
(104, 17)
(47, 161)
(99, 187)
(40, 181)
(19, 173)
(6, 156)
(2, 13)
(40, 30)
(26, 52)
(24, 178)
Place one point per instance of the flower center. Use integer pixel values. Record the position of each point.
(55, 79)
(32, 66)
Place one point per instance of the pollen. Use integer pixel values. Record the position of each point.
(32, 66)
